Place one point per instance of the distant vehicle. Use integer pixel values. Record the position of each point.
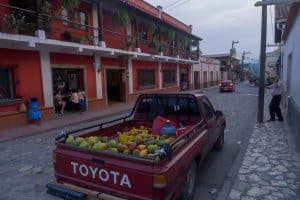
(227, 86)
(253, 80)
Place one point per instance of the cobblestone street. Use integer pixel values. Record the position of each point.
(271, 167)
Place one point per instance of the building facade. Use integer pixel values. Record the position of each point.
(207, 73)
(291, 63)
(229, 66)
(113, 50)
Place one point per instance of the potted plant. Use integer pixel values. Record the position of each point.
(149, 27)
(86, 39)
(170, 34)
(45, 18)
(184, 42)
(70, 5)
(120, 17)
(15, 22)
(154, 46)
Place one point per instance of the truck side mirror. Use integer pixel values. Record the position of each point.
(219, 113)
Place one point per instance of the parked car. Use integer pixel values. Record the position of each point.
(82, 171)
(227, 86)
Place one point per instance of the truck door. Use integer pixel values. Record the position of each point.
(211, 119)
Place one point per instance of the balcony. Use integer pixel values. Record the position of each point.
(78, 29)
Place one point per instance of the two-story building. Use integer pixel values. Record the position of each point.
(207, 73)
(113, 50)
(229, 66)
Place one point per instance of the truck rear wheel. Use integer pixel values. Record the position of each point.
(220, 142)
(190, 183)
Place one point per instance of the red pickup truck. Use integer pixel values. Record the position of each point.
(84, 172)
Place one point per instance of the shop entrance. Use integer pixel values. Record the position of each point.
(115, 85)
(184, 79)
(66, 80)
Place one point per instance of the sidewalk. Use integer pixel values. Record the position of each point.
(64, 121)
(271, 166)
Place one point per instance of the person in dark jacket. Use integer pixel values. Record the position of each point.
(274, 107)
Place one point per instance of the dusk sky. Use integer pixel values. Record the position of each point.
(219, 22)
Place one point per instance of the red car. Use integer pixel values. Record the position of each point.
(227, 86)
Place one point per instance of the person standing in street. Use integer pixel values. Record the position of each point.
(274, 107)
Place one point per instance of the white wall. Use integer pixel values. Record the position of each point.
(292, 45)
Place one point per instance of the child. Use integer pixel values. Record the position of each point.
(60, 102)
(82, 106)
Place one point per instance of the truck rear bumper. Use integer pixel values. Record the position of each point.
(72, 192)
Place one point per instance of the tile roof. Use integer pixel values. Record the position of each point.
(295, 11)
(150, 9)
(282, 11)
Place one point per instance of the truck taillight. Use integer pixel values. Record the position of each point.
(159, 181)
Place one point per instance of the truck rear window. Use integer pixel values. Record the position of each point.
(169, 106)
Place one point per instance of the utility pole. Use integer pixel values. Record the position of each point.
(232, 53)
(243, 58)
(261, 93)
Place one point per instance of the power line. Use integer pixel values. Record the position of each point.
(175, 6)
(172, 4)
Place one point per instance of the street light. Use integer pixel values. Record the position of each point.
(232, 53)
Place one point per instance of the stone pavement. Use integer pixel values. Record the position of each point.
(271, 166)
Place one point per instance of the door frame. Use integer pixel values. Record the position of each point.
(63, 66)
(105, 68)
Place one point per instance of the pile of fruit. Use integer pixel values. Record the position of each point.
(137, 141)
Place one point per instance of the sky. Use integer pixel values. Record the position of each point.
(219, 22)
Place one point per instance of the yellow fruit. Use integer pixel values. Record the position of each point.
(143, 153)
(141, 147)
(93, 140)
(101, 146)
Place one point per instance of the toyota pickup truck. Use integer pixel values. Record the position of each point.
(85, 172)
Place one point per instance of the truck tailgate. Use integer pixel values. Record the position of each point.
(107, 173)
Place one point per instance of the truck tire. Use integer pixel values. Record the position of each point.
(220, 141)
(190, 183)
